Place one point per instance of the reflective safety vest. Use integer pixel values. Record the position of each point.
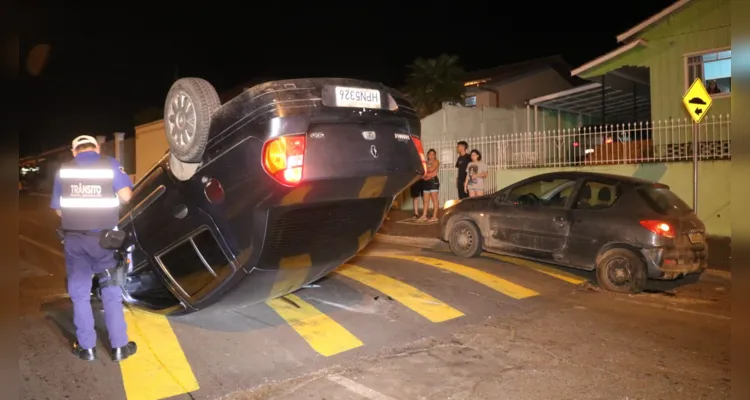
(88, 200)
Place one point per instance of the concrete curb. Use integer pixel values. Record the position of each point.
(414, 241)
(436, 243)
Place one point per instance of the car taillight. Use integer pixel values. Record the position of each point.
(283, 158)
(658, 227)
(418, 144)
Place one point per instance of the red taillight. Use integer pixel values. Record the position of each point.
(283, 158)
(418, 144)
(658, 227)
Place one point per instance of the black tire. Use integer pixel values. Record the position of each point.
(465, 239)
(190, 104)
(621, 271)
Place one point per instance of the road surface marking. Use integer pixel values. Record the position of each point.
(501, 285)
(37, 223)
(159, 369)
(320, 331)
(545, 269)
(411, 297)
(29, 270)
(705, 314)
(41, 246)
(359, 389)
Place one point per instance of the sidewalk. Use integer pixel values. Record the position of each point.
(402, 228)
(403, 223)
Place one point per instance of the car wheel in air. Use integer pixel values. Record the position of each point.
(621, 271)
(190, 104)
(465, 240)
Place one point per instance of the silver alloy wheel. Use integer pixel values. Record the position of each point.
(463, 239)
(181, 119)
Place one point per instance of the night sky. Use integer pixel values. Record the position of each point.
(107, 64)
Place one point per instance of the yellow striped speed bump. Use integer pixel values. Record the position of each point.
(320, 331)
(501, 285)
(159, 369)
(545, 269)
(539, 267)
(411, 297)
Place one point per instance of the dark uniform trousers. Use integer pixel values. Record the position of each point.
(84, 257)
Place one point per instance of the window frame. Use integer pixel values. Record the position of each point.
(576, 188)
(618, 193)
(685, 64)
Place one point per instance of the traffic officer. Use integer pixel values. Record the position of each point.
(86, 195)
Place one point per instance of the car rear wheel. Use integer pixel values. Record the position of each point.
(190, 104)
(465, 240)
(621, 271)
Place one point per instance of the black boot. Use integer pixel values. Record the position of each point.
(121, 353)
(84, 354)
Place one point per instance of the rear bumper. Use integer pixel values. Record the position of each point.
(672, 263)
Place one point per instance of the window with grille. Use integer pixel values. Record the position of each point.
(714, 69)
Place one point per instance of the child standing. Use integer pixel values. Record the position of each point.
(476, 172)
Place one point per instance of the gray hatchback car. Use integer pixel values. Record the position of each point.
(627, 229)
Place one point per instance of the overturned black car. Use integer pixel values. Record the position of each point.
(266, 193)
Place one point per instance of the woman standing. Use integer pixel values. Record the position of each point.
(431, 186)
(476, 173)
(416, 193)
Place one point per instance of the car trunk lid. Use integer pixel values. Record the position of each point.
(351, 149)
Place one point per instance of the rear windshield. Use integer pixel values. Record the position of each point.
(664, 201)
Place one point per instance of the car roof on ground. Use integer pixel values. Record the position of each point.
(587, 174)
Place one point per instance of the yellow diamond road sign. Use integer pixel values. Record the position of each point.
(697, 101)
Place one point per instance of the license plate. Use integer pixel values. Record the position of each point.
(357, 97)
(695, 237)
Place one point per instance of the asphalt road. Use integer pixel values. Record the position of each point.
(396, 323)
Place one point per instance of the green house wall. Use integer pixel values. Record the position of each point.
(702, 25)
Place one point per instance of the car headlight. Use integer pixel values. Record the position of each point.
(450, 203)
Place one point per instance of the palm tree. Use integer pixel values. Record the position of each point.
(433, 81)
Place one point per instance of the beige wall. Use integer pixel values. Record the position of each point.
(486, 99)
(515, 92)
(454, 123)
(150, 146)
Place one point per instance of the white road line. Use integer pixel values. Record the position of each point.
(42, 246)
(33, 222)
(361, 390)
(717, 316)
(29, 271)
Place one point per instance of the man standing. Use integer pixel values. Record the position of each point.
(85, 196)
(463, 161)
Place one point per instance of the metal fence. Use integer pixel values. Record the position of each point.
(641, 142)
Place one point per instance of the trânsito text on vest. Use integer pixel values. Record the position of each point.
(81, 189)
